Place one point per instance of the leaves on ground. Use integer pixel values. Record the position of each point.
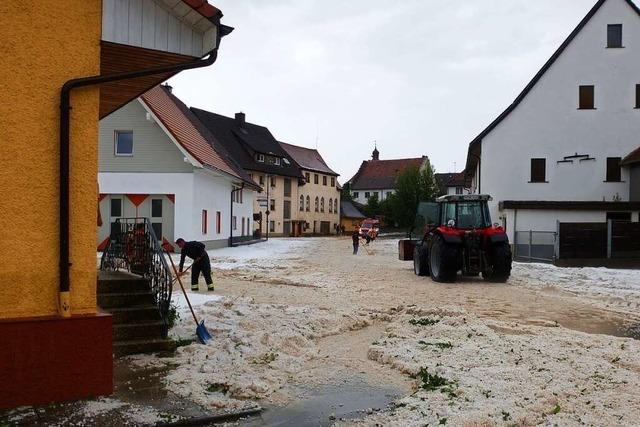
(424, 321)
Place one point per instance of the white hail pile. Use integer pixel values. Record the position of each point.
(495, 373)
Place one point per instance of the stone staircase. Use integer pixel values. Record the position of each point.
(137, 325)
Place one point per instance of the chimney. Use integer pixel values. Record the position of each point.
(168, 87)
(240, 119)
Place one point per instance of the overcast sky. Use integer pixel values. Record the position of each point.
(421, 77)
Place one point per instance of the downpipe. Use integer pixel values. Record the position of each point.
(64, 305)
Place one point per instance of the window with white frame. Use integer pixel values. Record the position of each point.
(123, 145)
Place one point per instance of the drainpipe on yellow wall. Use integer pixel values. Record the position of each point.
(64, 305)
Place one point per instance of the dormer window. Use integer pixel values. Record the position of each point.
(614, 36)
(277, 161)
(261, 158)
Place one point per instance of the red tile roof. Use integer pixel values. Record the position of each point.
(450, 179)
(633, 157)
(307, 158)
(204, 8)
(163, 105)
(381, 174)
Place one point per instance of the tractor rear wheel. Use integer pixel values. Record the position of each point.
(499, 269)
(442, 260)
(420, 267)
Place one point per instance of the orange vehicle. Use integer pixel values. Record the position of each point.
(370, 227)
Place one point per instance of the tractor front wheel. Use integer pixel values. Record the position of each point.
(420, 267)
(499, 268)
(442, 260)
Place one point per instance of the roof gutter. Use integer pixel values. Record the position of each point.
(64, 307)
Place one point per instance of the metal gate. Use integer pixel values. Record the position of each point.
(535, 246)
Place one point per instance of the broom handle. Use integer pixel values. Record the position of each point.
(175, 270)
(187, 269)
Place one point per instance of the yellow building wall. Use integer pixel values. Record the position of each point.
(43, 44)
(319, 190)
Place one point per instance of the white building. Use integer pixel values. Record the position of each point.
(156, 161)
(452, 183)
(554, 155)
(378, 177)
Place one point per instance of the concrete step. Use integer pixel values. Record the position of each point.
(125, 299)
(120, 285)
(133, 331)
(141, 314)
(123, 348)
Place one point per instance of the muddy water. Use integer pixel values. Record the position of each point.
(323, 405)
(339, 383)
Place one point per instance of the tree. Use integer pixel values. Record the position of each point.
(372, 208)
(412, 187)
(345, 194)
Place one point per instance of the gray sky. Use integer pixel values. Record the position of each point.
(422, 77)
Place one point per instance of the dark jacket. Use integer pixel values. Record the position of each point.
(355, 237)
(193, 250)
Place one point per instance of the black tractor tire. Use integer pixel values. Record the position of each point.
(499, 269)
(443, 263)
(420, 264)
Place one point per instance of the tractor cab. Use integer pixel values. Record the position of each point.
(458, 236)
(469, 212)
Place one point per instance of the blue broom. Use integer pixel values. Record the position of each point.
(201, 331)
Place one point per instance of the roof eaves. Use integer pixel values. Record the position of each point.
(205, 9)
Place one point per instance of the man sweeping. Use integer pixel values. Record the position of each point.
(201, 263)
(356, 240)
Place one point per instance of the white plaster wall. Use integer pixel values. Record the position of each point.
(452, 191)
(382, 194)
(180, 184)
(547, 123)
(193, 193)
(245, 210)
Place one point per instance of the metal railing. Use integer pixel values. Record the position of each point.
(134, 247)
(535, 246)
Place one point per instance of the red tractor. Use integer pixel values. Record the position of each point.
(459, 236)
